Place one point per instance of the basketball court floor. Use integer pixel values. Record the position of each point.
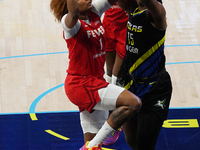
(35, 113)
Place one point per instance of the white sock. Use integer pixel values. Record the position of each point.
(114, 79)
(105, 131)
(108, 78)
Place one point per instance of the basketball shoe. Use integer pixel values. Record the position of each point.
(113, 138)
(93, 148)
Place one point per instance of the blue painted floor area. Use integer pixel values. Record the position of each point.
(19, 132)
(181, 138)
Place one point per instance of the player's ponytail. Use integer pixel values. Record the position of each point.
(59, 8)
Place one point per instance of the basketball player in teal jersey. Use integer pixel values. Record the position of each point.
(143, 71)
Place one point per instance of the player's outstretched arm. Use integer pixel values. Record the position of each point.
(128, 5)
(73, 13)
(157, 11)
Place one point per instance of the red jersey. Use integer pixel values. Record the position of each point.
(86, 65)
(116, 14)
(115, 24)
(87, 49)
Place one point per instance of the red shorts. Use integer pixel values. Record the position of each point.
(115, 37)
(83, 90)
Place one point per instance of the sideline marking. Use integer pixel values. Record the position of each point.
(182, 45)
(35, 102)
(33, 117)
(70, 111)
(187, 62)
(33, 55)
(189, 45)
(57, 135)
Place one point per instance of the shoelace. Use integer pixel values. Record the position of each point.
(120, 129)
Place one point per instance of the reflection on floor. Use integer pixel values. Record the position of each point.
(62, 131)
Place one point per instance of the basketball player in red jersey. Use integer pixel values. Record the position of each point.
(84, 84)
(115, 23)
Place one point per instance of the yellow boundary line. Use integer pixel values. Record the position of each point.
(33, 116)
(57, 135)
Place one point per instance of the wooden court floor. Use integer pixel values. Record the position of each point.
(34, 57)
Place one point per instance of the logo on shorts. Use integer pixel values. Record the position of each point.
(160, 103)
